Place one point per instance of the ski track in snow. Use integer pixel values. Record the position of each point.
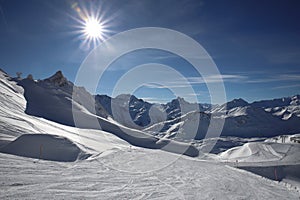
(183, 179)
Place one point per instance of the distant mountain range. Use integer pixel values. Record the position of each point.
(39, 104)
(267, 118)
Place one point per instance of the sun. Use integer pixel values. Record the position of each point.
(93, 31)
(92, 24)
(93, 28)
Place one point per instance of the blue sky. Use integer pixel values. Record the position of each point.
(255, 44)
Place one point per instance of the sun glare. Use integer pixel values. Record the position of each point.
(93, 28)
(92, 24)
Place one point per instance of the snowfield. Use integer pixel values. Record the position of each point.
(287, 154)
(46, 147)
(103, 166)
(98, 178)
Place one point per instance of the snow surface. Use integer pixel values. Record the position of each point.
(274, 160)
(114, 169)
(15, 122)
(248, 121)
(287, 154)
(44, 146)
(60, 101)
(97, 178)
(177, 119)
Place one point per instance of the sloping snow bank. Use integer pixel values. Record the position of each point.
(264, 152)
(276, 161)
(46, 147)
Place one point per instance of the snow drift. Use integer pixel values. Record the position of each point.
(46, 147)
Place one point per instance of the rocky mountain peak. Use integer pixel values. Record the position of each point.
(58, 79)
(236, 103)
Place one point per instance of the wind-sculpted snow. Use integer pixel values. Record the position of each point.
(46, 147)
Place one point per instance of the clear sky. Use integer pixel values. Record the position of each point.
(255, 44)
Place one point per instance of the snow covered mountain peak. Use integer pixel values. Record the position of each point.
(235, 103)
(295, 100)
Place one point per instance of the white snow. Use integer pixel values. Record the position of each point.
(113, 169)
(269, 153)
(119, 176)
(45, 146)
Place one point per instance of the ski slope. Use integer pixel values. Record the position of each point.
(118, 175)
(113, 168)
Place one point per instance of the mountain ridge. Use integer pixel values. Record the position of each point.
(58, 76)
(75, 107)
(242, 119)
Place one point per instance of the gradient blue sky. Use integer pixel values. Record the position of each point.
(255, 44)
